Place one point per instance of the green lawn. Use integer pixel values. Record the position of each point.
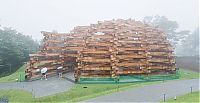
(186, 74)
(14, 76)
(188, 98)
(18, 96)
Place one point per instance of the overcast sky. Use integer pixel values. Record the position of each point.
(32, 16)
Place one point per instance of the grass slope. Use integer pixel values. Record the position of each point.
(187, 74)
(14, 76)
(188, 98)
(17, 96)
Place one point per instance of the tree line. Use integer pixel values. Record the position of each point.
(14, 50)
(185, 42)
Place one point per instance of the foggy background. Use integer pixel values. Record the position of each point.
(32, 16)
(22, 20)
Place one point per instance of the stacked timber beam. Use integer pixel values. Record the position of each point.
(50, 55)
(95, 57)
(131, 48)
(107, 49)
(75, 44)
(160, 52)
(123, 47)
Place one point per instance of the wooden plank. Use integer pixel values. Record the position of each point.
(159, 67)
(130, 72)
(95, 52)
(102, 36)
(130, 56)
(125, 64)
(73, 48)
(158, 60)
(98, 44)
(120, 49)
(97, 68)
(96, 60)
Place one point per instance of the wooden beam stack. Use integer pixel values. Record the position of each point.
(107, 49)
(130, 45)
(75, 43)
(50, 55)
(124, 47)
(95, 57)
(160, 52)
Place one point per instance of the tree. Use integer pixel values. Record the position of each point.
(190, 46)
(169, 27)
(14, 50)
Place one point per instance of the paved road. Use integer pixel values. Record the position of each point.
(41, 88)
(151, 93)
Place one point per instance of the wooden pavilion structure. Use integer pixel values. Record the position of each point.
(107, 49)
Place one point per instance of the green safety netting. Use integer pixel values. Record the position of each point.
(129, 78)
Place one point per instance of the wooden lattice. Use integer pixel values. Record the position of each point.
(108, 49)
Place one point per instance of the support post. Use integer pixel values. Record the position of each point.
(164, 97)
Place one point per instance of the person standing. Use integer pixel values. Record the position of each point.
(43, 72)
(60, 71)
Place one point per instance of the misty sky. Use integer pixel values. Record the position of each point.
(32, 16)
